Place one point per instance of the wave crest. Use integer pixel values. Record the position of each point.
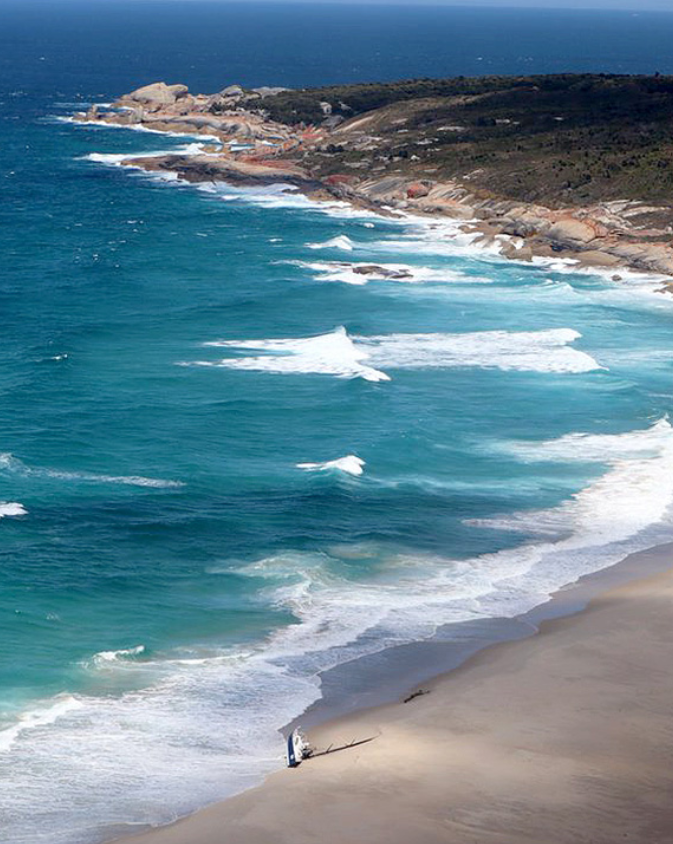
(343, 356)
(327, 354)
(351, 465)
(107, 659)
(342, 241)
(12, 508)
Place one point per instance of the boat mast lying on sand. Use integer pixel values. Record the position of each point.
(298, 748)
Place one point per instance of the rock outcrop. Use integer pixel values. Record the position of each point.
(325, 162)
(232, 91)
(155, 96)
(383, 272)
(266, 91)
(572, 232)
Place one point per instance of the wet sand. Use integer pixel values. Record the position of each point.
(565, 736)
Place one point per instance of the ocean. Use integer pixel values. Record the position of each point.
(227, 461)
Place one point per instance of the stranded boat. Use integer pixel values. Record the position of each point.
(298, 748)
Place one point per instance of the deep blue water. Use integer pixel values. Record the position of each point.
(171, 581)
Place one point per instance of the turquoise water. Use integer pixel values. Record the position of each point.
(172, 579)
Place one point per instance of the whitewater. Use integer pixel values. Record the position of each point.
(231, 460)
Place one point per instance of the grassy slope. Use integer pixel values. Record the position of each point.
(558, 140)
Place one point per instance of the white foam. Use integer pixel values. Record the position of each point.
(420, 235)
(333, 271)
(282, 195)
(41, 715)
(116, 159)
(288, 196)
(351, 465)
(89, 124)
(9, 463)
(442, 237)
(617, 276)
(12, 508)
(528, 351)
(328, 354)
(105, 659)
(342, 356)
(595, 448)
(76, 770)
(111, 159)
(346, 273)
(342, 241)
(598, 526)
(634, 493)
(279, 195)
(151, 754)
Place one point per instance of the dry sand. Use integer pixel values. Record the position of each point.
(563, 737)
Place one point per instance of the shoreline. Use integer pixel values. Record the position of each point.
(396, 671)
(407, 669)
(248, 149)
(384, 677)
(499, 245)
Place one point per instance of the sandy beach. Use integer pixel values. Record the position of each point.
(337, 396)
(562, 737)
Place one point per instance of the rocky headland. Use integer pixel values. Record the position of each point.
(576, 167)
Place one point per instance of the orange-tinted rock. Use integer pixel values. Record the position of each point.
(417, 190)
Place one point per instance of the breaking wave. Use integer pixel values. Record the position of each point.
(12, 508)
(351, 465)
(527, 351)
(93, 748)
(134, 127)
(340, 242)
(107, 659)
(613, 516)
(596, 448)
(40, 716)
(343, 356)
(116, 159)
(328, 354)
(352, 273)
(635, 492)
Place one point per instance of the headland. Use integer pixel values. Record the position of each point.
(573, 166)
(563, 736)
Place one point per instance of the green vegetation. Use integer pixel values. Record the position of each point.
(558, 140)
(304, 106)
